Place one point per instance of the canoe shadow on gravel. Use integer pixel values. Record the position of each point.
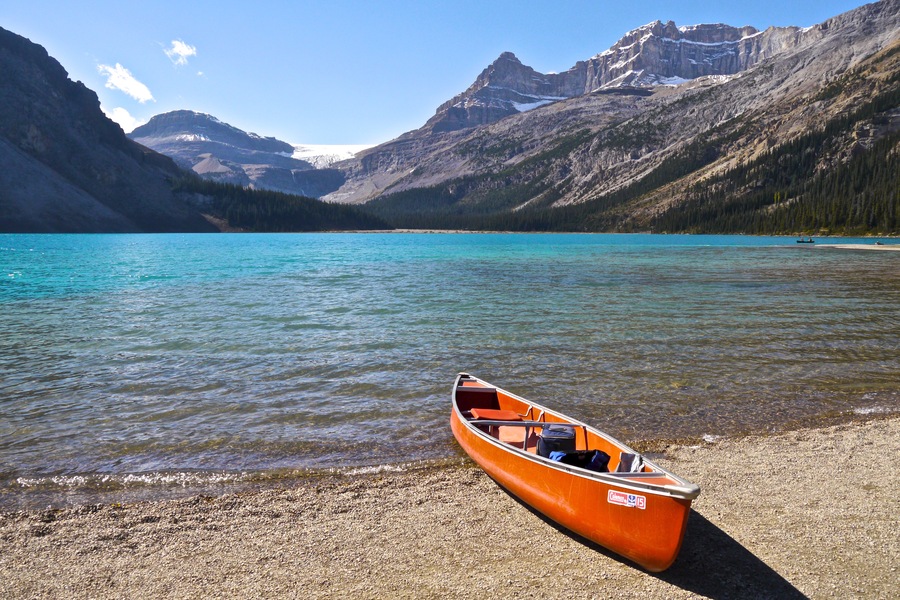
(711, 563)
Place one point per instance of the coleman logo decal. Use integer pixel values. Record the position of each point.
(629, 500)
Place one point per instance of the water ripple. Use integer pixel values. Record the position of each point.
(125, 355)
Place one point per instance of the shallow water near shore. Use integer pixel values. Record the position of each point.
(154, 364)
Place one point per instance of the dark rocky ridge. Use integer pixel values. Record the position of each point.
(67, 167)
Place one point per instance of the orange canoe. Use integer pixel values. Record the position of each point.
(574, 474)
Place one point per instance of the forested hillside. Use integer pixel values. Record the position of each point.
(782, 192)
(262, 210)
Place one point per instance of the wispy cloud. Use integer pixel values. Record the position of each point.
(123, 118)
(179, 52)
(120, 78)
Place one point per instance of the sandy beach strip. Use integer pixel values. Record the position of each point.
(886, 247)
(806, 513)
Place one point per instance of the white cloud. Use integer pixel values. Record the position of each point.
(123, 118)
(120, 78)
(179, 52)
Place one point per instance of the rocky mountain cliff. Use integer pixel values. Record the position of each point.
(220, 152)
(658, 53)
(66, 167)
(628, 154)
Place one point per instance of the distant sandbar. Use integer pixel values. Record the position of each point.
(894, 247)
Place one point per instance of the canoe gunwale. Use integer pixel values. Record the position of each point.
(685, 490)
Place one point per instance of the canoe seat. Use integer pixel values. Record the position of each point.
(493, 414)
(514, 436)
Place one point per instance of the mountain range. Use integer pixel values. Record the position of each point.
(642, 140)
(693, 128)
(68, 168)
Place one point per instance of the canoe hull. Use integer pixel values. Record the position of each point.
(641, 523)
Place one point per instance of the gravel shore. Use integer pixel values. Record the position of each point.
(806, 513)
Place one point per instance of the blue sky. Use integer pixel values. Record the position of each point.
(339, 71)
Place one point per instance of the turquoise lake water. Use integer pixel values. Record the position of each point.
(156, 364)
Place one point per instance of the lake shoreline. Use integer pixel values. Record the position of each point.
(808, 512)
(54, 492)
